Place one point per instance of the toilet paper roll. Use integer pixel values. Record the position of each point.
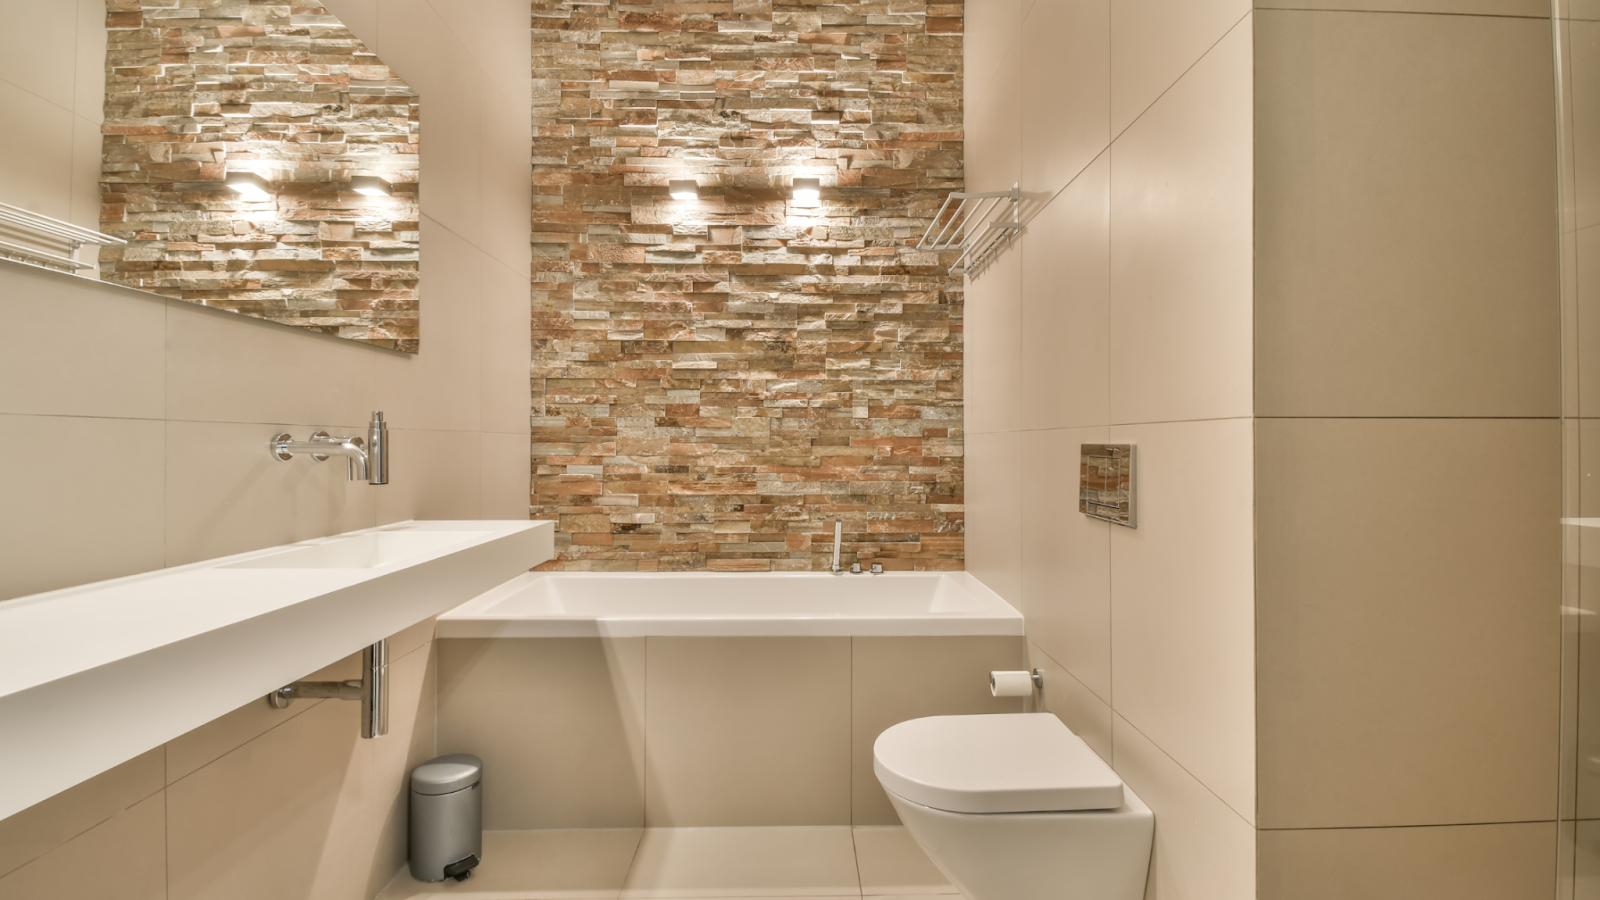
(1011, 684)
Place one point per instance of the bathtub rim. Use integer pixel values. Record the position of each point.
(996, 618)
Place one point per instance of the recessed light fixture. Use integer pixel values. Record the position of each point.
(807, 191)
(684, 189)
(371, 185)
(250, 186)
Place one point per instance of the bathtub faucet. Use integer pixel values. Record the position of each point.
(855, 567)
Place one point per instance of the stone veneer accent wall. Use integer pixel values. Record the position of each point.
(715, 382)
(196, 88)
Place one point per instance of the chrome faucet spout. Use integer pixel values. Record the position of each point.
(838, 537)
(365, 460)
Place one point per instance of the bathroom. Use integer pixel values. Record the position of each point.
(673, 303)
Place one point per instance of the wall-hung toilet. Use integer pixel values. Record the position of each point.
(1016, 807)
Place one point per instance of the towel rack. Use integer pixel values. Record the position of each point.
(978, 226)
(43, 230)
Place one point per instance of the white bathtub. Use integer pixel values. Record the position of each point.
(706, 604)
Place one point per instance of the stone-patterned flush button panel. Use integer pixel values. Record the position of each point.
(197, 90)
(1105, 488)
(719, 378)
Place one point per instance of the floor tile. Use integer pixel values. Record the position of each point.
(588, 864)
(815, 861)
(891, 863)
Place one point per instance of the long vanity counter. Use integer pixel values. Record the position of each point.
(92, 676)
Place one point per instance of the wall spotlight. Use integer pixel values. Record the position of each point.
(685, 189)
(250, 186)
(371, 186)
(807, 191)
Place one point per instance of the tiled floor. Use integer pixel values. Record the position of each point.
(690, 864)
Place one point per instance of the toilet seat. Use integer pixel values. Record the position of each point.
(1008, 763)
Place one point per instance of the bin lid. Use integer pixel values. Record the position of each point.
(447, 774)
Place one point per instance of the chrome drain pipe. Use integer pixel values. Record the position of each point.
(372, 689)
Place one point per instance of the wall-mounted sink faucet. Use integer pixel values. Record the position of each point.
(365, 460)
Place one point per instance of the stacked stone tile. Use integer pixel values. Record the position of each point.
(716, 382)
(196, 88)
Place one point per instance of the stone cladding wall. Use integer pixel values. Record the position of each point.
(196, 88)
(716, 381)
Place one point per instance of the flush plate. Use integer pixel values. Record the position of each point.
(1105, 485)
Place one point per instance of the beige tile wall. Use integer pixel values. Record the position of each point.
(697, 732)
(1123, 313)
(1407, 459)
(260, 803)
(134, 426)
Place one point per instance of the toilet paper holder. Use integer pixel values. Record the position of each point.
(1015, 683)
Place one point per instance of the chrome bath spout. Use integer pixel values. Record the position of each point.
(838, 536)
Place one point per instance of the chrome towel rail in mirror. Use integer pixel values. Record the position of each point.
(46, 232)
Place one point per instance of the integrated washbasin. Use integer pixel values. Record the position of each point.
(361, 551)
(78, 666)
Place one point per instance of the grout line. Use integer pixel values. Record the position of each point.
(1421, 825)
(1163, 751)
(1401, 12)
(1168, 89)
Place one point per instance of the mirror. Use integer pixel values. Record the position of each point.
(258, 158)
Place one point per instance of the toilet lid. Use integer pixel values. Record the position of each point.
(1020, 762)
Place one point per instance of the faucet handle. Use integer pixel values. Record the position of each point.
(855, 568)
(877, 568)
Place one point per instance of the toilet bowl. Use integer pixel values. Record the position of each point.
(1016, 807)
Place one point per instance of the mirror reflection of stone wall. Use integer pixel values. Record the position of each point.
(199, 89)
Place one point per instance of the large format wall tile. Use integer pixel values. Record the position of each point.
(89, 87)
(40, 828)
(1066, 89)
(433, 475)
(1183, 629)
(226, 494)
(894, 679)
(1066, 559)
(1181, 249)
(87, 510)
(1534, 8)
(1065, 259)
(993, 512)
(991, 348)
(36, 174)
(234, 823)
(505, 476)
(559, 724)
(506, 336)
(1407, 253)
(1409, 593)
(282, 373)
(1461, 862)
(991, 39)
(307, 810)
(77, 349)
(1069, 700)
(121, 858)
(747, 731)
(38, 49)
(439, 388)
(1154, 42)
(1203, 850)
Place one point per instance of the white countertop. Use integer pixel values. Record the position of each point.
(94, 675)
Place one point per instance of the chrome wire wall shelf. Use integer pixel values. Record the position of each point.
(42, 235)
(977, 224)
